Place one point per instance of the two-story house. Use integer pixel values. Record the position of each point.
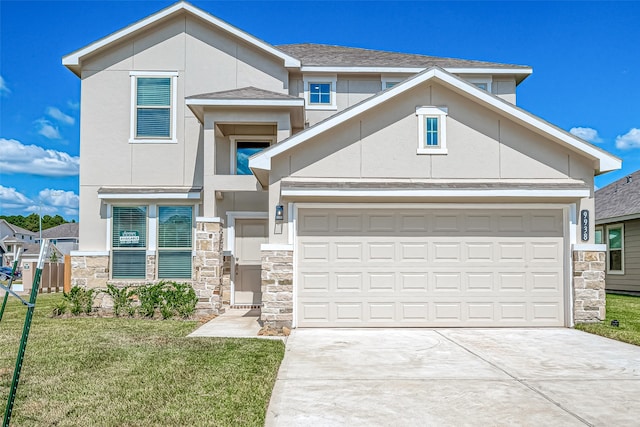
(328, 185)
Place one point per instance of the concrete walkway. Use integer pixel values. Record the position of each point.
(455, 377)
(234, 323)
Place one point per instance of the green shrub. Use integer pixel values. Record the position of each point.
(80, 300)
(185, 300)
(121, 299)
(151, 298)
(60, 308)
(168, 298)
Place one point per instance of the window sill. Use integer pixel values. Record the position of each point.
(153, 141)
(326, 107)
(431, 151)
(616, 272)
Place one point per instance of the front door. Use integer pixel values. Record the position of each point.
(250, 234)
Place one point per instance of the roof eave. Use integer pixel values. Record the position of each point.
(73, 60)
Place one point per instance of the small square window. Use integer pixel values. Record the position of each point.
(320, 93)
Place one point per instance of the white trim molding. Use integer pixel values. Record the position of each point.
(309, 79)
(73, 61)
(393, 193)
(89, 253)
(192, 195)
(247, 102)
(607, 227)
(173, 107)
(216, 219)
(439, 113)
(590, 247)
(603, 161)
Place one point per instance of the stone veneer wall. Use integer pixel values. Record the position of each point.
(208, 266)
(588, 286)
(277, 288)
(89, 271)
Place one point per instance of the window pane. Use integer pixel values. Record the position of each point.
(153, 91)
(615, 260)
(244, 150)
(325, 98)
(129, 227)
(390, 84)
(598, 236)
(615, 238)
(314, 98)
(174, 264)
(320, 93)
(129, 264)
(175, 227)
(482, 86)
(153, 122)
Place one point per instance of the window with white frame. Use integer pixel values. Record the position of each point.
(129, 242)
(153, 109)
(432, 130)
(175, 237)
(483, 83)
(243, 147)
(320, 92)
(598, 236)
(615, 248)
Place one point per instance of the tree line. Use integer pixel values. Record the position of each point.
(32, 222)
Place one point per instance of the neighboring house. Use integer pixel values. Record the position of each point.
(618, 226)
(11, 238)
(331, 186)
(63, 236)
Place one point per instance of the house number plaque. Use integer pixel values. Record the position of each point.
(584, 225)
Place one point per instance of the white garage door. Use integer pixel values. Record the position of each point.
(429, 268)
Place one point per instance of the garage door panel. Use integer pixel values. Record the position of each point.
(430, 268)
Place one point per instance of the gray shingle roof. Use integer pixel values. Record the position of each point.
(620, 198)
(63, 230)
(323, 55)
(243, 93)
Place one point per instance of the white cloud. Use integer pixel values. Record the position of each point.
(41, 209)
(73, 105)
(10, 198)
(59, 198)
(58, 115)
(629, 140)
(33, 160)
(588, 134)
(4, 89)
(47, 129)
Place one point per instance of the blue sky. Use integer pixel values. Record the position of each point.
(586, 68)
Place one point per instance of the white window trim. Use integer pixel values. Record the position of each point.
(619, 225)
(601, 229)
(441, 114)
(391, 79)
(133, 75)
(486, 80)
(320, 78)
(233, 139)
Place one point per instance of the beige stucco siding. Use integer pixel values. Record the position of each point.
(481, 144)
(93, 230)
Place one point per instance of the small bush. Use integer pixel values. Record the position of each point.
(80, 300)
(60, 308)
(121, 299)
(151, 298)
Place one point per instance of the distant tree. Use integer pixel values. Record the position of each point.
(32, 221)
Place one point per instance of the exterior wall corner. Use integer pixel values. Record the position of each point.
(589, 298)
(277, 288)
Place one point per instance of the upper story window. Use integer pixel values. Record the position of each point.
(243, 147)
(153, 109)
(432, 130)
(320, 92)
(483, 83)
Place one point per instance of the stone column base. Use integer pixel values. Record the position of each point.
(589, 298)
(277, 288)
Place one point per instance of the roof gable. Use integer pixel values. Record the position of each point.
(604, 161)
(73, 61)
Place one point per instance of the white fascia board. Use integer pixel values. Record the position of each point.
(73, 59)
(151, 196)
(522, 71)
(247, 102)
(607, 162)
(617, 219)
(263, 159)
(402, 70)
(590, 247)
(532, 193)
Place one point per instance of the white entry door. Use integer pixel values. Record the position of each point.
(250, 234)
(430, 267)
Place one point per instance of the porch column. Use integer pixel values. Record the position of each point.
(277, 285)
(208, 264)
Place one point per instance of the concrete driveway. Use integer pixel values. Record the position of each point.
(455, 377)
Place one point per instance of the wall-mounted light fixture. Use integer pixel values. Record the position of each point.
(279, 212)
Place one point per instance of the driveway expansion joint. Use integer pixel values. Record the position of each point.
(520, 381)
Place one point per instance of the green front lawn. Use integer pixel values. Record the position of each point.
(625, 309)
(126, 372)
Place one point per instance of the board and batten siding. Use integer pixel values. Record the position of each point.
(630, 280)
